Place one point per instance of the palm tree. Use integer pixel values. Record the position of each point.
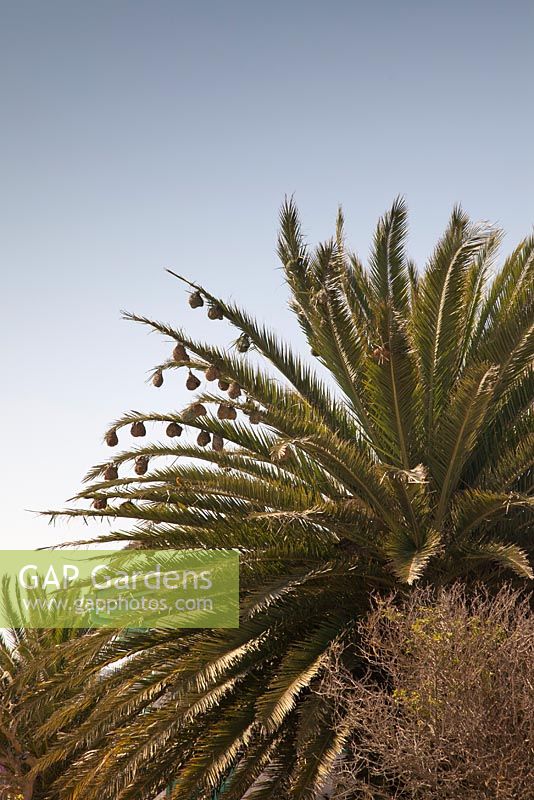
(409, 459)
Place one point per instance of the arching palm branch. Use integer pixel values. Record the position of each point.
(410, 459)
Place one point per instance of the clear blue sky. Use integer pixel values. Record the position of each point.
(137, 135)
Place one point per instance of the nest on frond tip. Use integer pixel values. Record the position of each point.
(111, 438)
(226, 412)
(141, 465)
(111, 473)
(243, 343)
(138, 429)
(212, 373)
(215, 312)
(179, 353)
(174, 429)
(203, 438)
(234, 390)
(217, 442)
(157, 379)
(192, 382)
(195, 410)
(196, 300)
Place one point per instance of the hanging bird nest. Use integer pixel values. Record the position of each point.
(196, 300)
(243, 343)
(223, 385)
(180, 353)
(157, 379)
(222, 411)
(234, 390)
(203, 438)
(111, 438)
(198, 410)
(138, 429)
(141, 465)
(215, 312)
(255, 416)
(226, 412)
(217, 443)
(192, 382)
(213, 373)
(380, 354)
(100, 503)
(111, 473)
(173, 429)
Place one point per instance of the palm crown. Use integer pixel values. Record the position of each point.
(414, 461)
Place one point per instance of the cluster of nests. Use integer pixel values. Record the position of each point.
(174, 429)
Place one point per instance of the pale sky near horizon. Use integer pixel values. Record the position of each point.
(138, 135)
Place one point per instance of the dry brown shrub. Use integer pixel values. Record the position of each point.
(446, 711)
